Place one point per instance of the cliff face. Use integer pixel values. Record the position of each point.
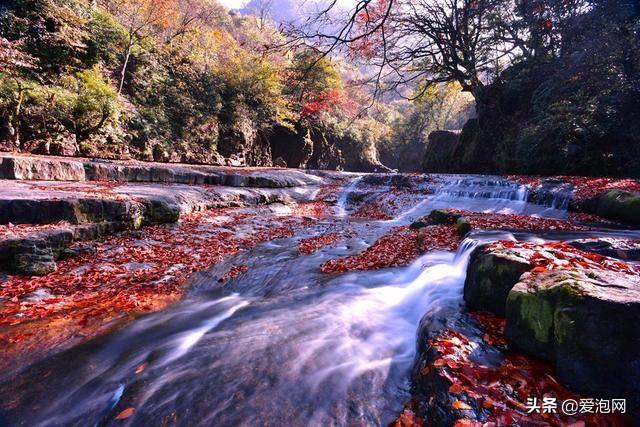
(571, 114)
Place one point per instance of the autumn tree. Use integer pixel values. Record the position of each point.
(466, 41)
(141, 18)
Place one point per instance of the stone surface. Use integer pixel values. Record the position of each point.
(14, 167)
(620, 206)
(491, 275)
(585, 321)
(35, 168)
(436, 216)
(624, 249)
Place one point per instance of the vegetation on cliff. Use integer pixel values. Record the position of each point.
(175, 80)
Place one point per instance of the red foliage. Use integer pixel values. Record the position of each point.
(440, 237)
(395, 249)
(560, 255)
(10, 231)
(327, 100)
(408, 418)
(372, 211)
(133, 271)
(102, 190)
(369, 22)
(501, 392)
(495, 221)
(233, 272)
(309, 246)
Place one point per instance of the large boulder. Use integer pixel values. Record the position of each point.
(585, 321)
(491, 274)
(438, 155)
(620, 205)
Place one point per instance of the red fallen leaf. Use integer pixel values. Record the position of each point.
(456, 388)
(539, 269)
(487, 403)
(142, 367)
(125, 414)
(466, 422)
(460, 405)
(408, 418)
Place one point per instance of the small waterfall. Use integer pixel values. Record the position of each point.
(341, 205)
(479, 187)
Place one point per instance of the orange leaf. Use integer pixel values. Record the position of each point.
(460, 405)
(125, 414)
(487, 403)
(456, 388)
(142, 367)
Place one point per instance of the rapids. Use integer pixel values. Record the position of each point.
(282, 344)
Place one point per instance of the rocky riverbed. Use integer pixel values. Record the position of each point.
(140, 294)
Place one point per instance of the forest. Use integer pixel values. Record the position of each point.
(542, 87)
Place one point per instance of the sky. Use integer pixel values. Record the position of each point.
(233, 4)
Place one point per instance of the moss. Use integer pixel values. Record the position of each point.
(537, 313)
(620, 206)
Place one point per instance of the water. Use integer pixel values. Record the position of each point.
(282, 344)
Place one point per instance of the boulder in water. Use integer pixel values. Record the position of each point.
(620, 205)
(491, 274)
(585, 321)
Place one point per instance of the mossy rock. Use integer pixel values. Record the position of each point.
(620, 206)
(585, 321)
(490, 276)
(463, 226)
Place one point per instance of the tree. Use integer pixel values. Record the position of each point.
(141, 18)
(12, 61)
(314, 83)
(466, 41)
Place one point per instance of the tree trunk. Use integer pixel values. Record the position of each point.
(123, 72)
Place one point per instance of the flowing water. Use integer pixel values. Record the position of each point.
(282, 344)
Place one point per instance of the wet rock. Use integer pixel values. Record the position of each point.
(463, 226)
(436, 217)
(620, 205)
(615, 248)
(585, 321)
(553, 193)
(491, 275)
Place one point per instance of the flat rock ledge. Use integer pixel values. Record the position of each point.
(17, 167)
(585, 321)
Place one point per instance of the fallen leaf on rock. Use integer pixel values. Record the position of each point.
(125, 414)
(142, 367)
(460, 405)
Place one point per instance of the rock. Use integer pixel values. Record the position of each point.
(280, 163)
(33, 258)
(44, 169)
(490, 276)
(620, 205)
(585, 321)
(611, 247)
(463, 226)
(439, 151)
(436, 217)
(443, 217)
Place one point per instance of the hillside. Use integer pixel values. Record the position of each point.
(177, 80)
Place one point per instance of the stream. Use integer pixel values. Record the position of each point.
(282, 344)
